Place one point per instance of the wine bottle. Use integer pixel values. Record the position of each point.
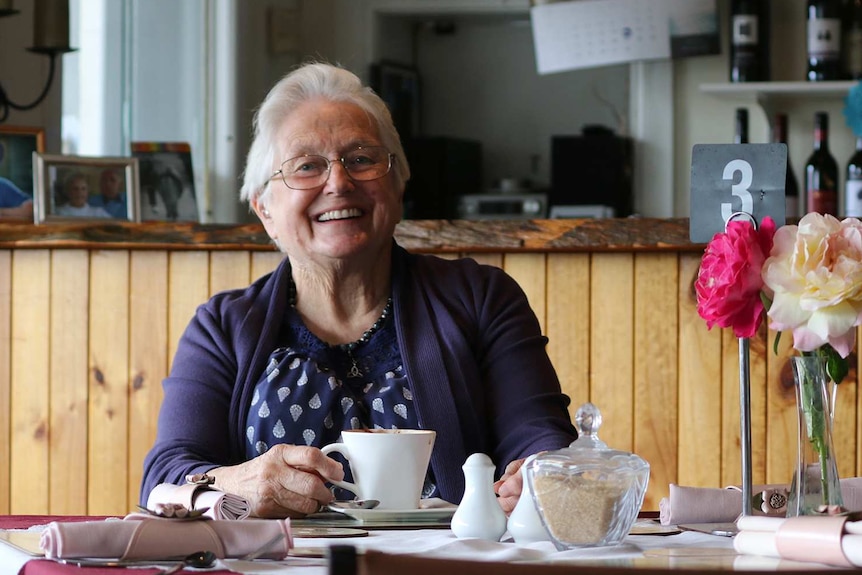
(740, 135)
(749, 41)
(853, 187)
(791, 186)
(821, 172)
(824, 40)
(851, 37)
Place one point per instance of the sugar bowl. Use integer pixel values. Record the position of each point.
(587, 494)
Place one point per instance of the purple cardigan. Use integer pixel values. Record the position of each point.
(471, 345)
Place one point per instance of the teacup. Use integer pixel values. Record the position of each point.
(387, 464)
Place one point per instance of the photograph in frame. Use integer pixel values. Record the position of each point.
(79, 188)
(17, 145)
(167, 184)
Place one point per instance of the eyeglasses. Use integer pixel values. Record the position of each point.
(363, 164)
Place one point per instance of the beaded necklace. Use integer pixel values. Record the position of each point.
(348, 348)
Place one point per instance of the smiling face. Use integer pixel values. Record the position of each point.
(340, 219)
(77, 191)
(109, 185)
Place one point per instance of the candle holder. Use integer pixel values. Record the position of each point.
(46, 31)
(6, 104)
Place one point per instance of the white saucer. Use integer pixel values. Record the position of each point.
(399, 515)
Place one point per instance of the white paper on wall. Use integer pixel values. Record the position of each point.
(590, 33)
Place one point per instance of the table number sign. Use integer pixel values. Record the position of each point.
(728, 179)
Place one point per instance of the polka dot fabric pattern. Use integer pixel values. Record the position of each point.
(306, 398)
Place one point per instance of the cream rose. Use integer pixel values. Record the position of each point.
(815, 275)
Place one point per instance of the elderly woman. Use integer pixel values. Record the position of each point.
(350, 330)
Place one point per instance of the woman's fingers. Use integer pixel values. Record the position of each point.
(286, 481)
(312, 460)
(509, 484)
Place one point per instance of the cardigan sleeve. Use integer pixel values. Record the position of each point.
(193, 430)
(217, 362)
(477, 360)
(526, 409)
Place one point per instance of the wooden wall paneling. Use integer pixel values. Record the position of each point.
(846, 416)
(656, 369)
(30, 399)
(69, 381)
(781, 436)
(490, 259)
(856, 382)
(699, 386)
(568, 327)
(5, 374)
(148, 356)
(229, 270)
(844, 424)
(530, 273)
(264, 262)
(109, 383)
(188, 287)
(731, 465)
(758, 351)
(612, 346)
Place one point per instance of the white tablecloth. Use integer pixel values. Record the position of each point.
(442, 543)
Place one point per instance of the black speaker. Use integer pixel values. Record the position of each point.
(595, 168)
(441, 170)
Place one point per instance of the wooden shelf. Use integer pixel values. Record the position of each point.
(770, 95)
(785, 89)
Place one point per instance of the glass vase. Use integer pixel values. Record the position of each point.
(815, 480)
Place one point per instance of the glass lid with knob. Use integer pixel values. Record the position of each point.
(587, 494)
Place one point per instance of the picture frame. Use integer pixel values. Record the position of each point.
(17, 144)
(80, 188)
(167, 183)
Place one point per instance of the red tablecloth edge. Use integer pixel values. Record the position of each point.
(48, 567)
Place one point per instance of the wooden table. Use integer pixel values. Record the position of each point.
(439, 552)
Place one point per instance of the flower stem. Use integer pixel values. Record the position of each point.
(815, 420)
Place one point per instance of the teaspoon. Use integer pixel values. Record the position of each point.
(199, 559)
(354, 504)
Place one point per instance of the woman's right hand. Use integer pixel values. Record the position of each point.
(286, 481)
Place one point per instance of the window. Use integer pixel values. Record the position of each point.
(141, 73)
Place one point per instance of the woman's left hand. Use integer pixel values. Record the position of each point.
(509, 486)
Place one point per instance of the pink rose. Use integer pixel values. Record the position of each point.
(729, 280)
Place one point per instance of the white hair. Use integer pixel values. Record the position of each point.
(309, 82)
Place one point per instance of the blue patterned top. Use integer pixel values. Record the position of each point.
(305, 396)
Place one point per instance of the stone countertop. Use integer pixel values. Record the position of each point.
(429, 236)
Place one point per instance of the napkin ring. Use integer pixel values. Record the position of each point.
(200, 479)
(773, 501)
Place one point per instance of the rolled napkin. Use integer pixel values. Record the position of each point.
(140, 536)
(192, 496)
(715, 505)
(827, 539)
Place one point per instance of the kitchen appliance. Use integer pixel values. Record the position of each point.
(442, 169)
(595, 168)
(502, 206)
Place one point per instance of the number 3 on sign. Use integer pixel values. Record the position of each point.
(741, 190)
(735, 178)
